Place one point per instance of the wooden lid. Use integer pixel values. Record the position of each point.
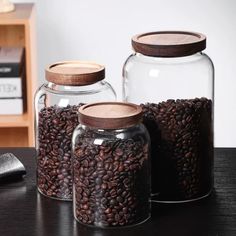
(75, 73)
(110, 115)
(169, 43)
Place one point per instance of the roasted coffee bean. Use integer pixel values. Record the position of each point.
(55, 127)
(121, 176)
(182, 147)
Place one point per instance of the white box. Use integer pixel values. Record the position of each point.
(10, 87)
(11, 106)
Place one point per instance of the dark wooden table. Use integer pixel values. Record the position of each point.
(24, 212)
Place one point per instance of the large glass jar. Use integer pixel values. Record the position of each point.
(111, 166)
(173, 80)
(70, 85)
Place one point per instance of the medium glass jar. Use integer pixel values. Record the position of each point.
(173, 80)
(111, 166)
(70, 84)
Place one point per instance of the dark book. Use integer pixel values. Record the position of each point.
(11, 61)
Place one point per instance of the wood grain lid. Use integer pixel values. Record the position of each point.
(110, 115)
(74, 73)
(169, 43)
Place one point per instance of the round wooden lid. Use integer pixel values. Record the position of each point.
(110, 115)
(169, 43)
(74, 73)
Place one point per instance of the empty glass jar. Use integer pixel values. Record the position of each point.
(111, 166)
(70, 85)
(173, 80)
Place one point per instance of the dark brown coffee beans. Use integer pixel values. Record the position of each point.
(111, 181)
(182, 148)
(55, 128)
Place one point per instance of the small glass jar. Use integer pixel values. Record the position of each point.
(111, 166)
(70, 85)
(173, 80)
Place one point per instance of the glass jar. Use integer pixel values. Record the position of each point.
(70, 84)
(173, 80)
(111, 166)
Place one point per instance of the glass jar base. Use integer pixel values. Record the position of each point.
(55, 198)
(114, 227)
(154, 199)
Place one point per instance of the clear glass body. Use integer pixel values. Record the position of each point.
(111, 176)
(56, 116)
(176, 95)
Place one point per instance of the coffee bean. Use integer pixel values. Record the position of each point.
(104, 186)
(120, 170)
(55, 126)
(120, 199)
(108, 211)
(113, 202)
(182, 147)
(98, 181)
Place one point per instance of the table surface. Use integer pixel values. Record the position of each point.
(24, 212)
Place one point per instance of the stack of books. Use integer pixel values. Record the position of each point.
(12, 77)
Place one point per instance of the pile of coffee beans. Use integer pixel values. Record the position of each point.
(182, 147)
(111, 181)
(55, 129)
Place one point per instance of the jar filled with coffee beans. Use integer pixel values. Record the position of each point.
(70, 85)
(111, 166)
(172, 79)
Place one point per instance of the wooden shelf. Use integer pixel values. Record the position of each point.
(17, 28)
(14, 120)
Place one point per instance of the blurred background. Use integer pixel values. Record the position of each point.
(101, 31)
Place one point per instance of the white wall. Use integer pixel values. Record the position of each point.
(101, 31)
